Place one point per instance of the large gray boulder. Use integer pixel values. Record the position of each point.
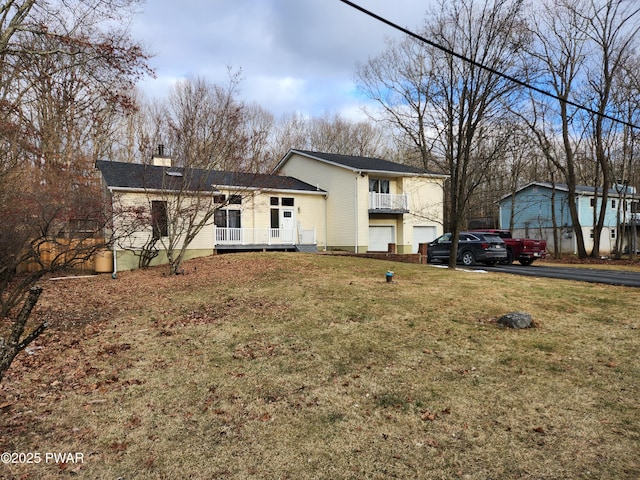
(516, 320)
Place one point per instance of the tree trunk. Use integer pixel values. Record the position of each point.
(557, 239)
(13, 345)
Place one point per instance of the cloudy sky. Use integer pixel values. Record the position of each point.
(295, 55)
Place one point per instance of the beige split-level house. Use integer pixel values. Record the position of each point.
(371, 202)
(312, 201)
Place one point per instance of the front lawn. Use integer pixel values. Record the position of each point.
(313, 366)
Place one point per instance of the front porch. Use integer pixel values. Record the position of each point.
(262, 239)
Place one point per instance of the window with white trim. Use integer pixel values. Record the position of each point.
(224, 218)
(378, 185)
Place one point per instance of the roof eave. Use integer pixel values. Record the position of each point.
(405, 174)
(320, 159)
(217, 188)
(396, 173)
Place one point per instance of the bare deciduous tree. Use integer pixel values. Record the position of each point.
(401, 82)
(66, 71)
(579, 46)
(51, 225)
(612, 29)
(447, 106)
(207, 137)
(331, 133)
(624, 163)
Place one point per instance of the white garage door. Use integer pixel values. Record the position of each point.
(422, 235)
(380, 237)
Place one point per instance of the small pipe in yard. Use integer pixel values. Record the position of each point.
(389, 276)
(115, 262)
(72, 277)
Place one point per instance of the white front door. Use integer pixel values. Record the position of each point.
(287, 225)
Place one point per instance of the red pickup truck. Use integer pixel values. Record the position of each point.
(525, 250)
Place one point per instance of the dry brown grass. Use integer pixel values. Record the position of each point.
(311, 366)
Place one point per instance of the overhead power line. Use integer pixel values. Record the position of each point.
(484, 67)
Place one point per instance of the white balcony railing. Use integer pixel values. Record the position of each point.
(388, 201)
(264, 236)
(628, 218)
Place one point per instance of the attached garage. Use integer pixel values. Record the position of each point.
(380, 236)
(423, 234)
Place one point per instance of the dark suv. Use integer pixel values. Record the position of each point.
(473, 247)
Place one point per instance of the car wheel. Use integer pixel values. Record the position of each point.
(467, 258)
(526, 262)
(508, 260)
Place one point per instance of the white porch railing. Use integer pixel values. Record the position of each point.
(388, 201)
(264, 236)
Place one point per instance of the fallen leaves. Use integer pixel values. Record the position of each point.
(114, 349)
(427, 415)
(254, 350)
(134, 422)
(118, 447)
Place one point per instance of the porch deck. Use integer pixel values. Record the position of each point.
(264, 239)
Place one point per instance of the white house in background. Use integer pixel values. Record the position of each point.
(371, 202)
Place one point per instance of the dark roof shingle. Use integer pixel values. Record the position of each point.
(151, 177)
(366, 164)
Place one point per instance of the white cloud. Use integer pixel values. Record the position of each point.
(295, 55)
(274, 93)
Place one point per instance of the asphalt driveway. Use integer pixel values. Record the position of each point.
(593, 275)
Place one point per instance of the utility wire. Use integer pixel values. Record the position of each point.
(489, 69)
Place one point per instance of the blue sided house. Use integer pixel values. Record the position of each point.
(530, 212)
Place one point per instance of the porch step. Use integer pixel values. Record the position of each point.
(307, 248)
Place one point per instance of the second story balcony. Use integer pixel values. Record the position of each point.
(629, 218)
(388, 203)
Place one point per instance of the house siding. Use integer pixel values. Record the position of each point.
(425, 208)
(255, 213)
(532, 209)
(346, 188)
(362, 212)
(348, 202)
(532, 217)
(137, 239)
(586, 211)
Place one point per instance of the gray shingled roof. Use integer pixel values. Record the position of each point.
(580, 189)
(365, 164)
(151, 177)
